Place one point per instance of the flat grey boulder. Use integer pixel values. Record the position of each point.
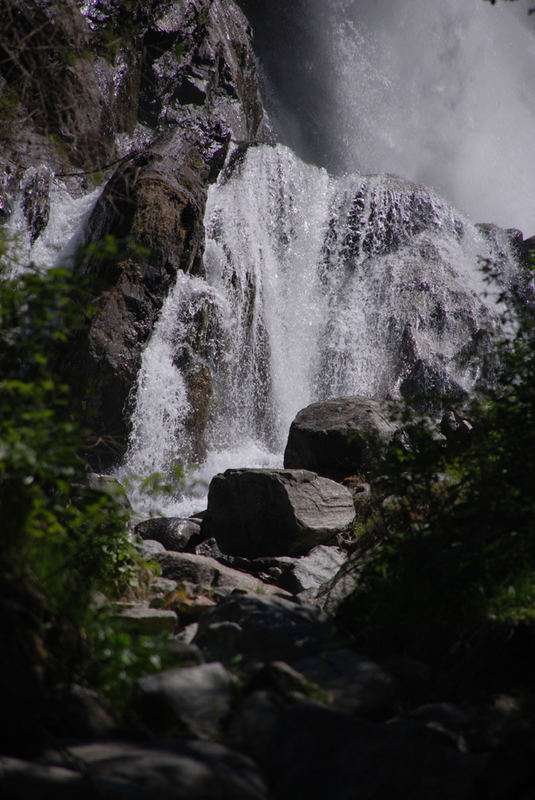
(139, 618)
(309, 572)
(275, 512)
(338, 438)
(207, 573)
(191, 701)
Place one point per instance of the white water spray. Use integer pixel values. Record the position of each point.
(438, 91)
(315, 287)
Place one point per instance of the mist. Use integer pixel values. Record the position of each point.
(437, 92)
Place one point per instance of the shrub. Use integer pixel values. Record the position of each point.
(61, 540)
(450, 549)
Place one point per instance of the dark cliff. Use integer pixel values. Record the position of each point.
(148, 95)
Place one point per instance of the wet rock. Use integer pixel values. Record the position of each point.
(35, 186)
(263, 512)
(338, 438)
(455, 427)
(259, 628)
(45, 56)
(192, 701)
(428, 388)
(173, 533)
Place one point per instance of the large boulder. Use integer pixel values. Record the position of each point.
(271, 512)
(337, 438)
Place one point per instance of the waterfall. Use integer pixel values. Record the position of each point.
(439, 92)
(59, 212)
(316, 286)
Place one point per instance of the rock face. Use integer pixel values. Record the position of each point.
(197, 90)
(269, 512)
(160, 90)
(338, 438)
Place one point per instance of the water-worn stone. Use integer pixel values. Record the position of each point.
(206, 572)
(149, 548)
(187, 603)
(478, 728)
(330, 594)
(77, 711)
(258, 628)
(337, 438)
(173, 533)
(309, 572)
(192, 701)
(270, 512)
(141, 619)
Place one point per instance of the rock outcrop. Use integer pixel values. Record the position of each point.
(197, 91)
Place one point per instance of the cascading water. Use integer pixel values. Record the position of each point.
(439, 92)
(315, 287)
(47, 206)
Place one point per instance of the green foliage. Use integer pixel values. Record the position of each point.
(451, 544)
(116, 658)
(62, 541)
